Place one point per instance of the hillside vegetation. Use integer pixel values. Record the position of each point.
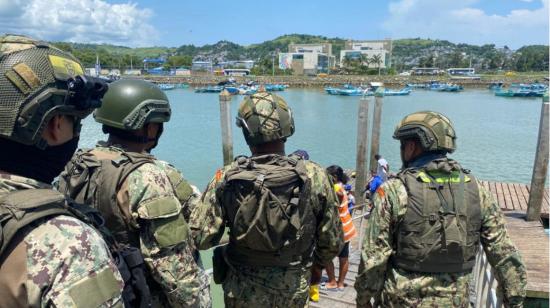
(407, 53)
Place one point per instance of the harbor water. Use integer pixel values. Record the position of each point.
(497, 136)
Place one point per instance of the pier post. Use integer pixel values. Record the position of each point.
(540, 168)
(227, 136)
(360, 166)
(376, 120)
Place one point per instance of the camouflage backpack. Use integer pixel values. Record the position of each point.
(265, 204)
(24, 208)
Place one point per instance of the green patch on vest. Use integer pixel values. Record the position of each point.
(441, 177)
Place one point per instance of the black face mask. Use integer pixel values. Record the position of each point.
(32, 162)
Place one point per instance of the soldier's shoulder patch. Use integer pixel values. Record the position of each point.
(381, 192)
(219, 175)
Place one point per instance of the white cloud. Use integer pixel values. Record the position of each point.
(459, 21)
(83, 21)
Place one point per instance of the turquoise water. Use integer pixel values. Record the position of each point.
(496, 136)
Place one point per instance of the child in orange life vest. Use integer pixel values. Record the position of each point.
(340, 179)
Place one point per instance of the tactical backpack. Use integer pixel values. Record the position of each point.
(95, 180)
(265, 206)
(441, 228)
(19, 210)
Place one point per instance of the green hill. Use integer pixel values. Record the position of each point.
(407, 53)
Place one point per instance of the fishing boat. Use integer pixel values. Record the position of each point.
(404, 91)
(166, 86)
(523, 90)
(248, 90)
(418, 85)
(274, 87)
(446, 87)
(209, 89)
(232, 90)
(347, 90)
(496, 85)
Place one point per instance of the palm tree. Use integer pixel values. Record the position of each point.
(377, 59)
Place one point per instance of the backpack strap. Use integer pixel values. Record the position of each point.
(21, 208)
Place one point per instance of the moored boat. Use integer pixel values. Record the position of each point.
(166, 86)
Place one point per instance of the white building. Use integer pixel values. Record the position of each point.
(307, 59)
(309, 63)
(368, 49)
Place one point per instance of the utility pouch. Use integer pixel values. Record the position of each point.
(219, 264)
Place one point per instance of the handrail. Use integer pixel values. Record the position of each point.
(484, 293)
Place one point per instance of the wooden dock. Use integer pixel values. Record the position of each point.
(529, 237)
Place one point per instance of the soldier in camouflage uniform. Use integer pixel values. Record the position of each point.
(427, 224)
(254, 277)
(55, 260)
(141, 198)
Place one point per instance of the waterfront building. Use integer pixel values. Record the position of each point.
(201, 66)
(246, 64)
(370, 49)
(307, 59)
(183, 71)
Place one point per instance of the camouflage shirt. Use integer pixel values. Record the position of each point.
(165, 240)
(62, 262)
(395, 287)
(188, 202)
(271, 285)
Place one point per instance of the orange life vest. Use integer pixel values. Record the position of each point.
(345, 217)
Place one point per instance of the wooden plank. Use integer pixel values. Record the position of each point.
(525, 192)
(496, 194)
(513, 196)
(522, 203)
(500, 196)
(532, 243)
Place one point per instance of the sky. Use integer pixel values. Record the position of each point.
(141, 23)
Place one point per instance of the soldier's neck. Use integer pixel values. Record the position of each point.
(127, 145)
(275, 147)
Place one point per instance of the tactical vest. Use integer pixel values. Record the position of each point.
(266, 208)
(441, 227)
(94, 178)
(20, 210)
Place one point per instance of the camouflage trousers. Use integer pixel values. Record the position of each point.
(266, 287)
(201, 300)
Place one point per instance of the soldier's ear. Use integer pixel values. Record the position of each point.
(58, 130)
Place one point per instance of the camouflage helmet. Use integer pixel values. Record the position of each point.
(38, 82)
(130, 104)
(265, 117)
(434, 131)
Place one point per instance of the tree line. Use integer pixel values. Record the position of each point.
(406, 53)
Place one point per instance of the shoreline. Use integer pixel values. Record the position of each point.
(338, 80)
